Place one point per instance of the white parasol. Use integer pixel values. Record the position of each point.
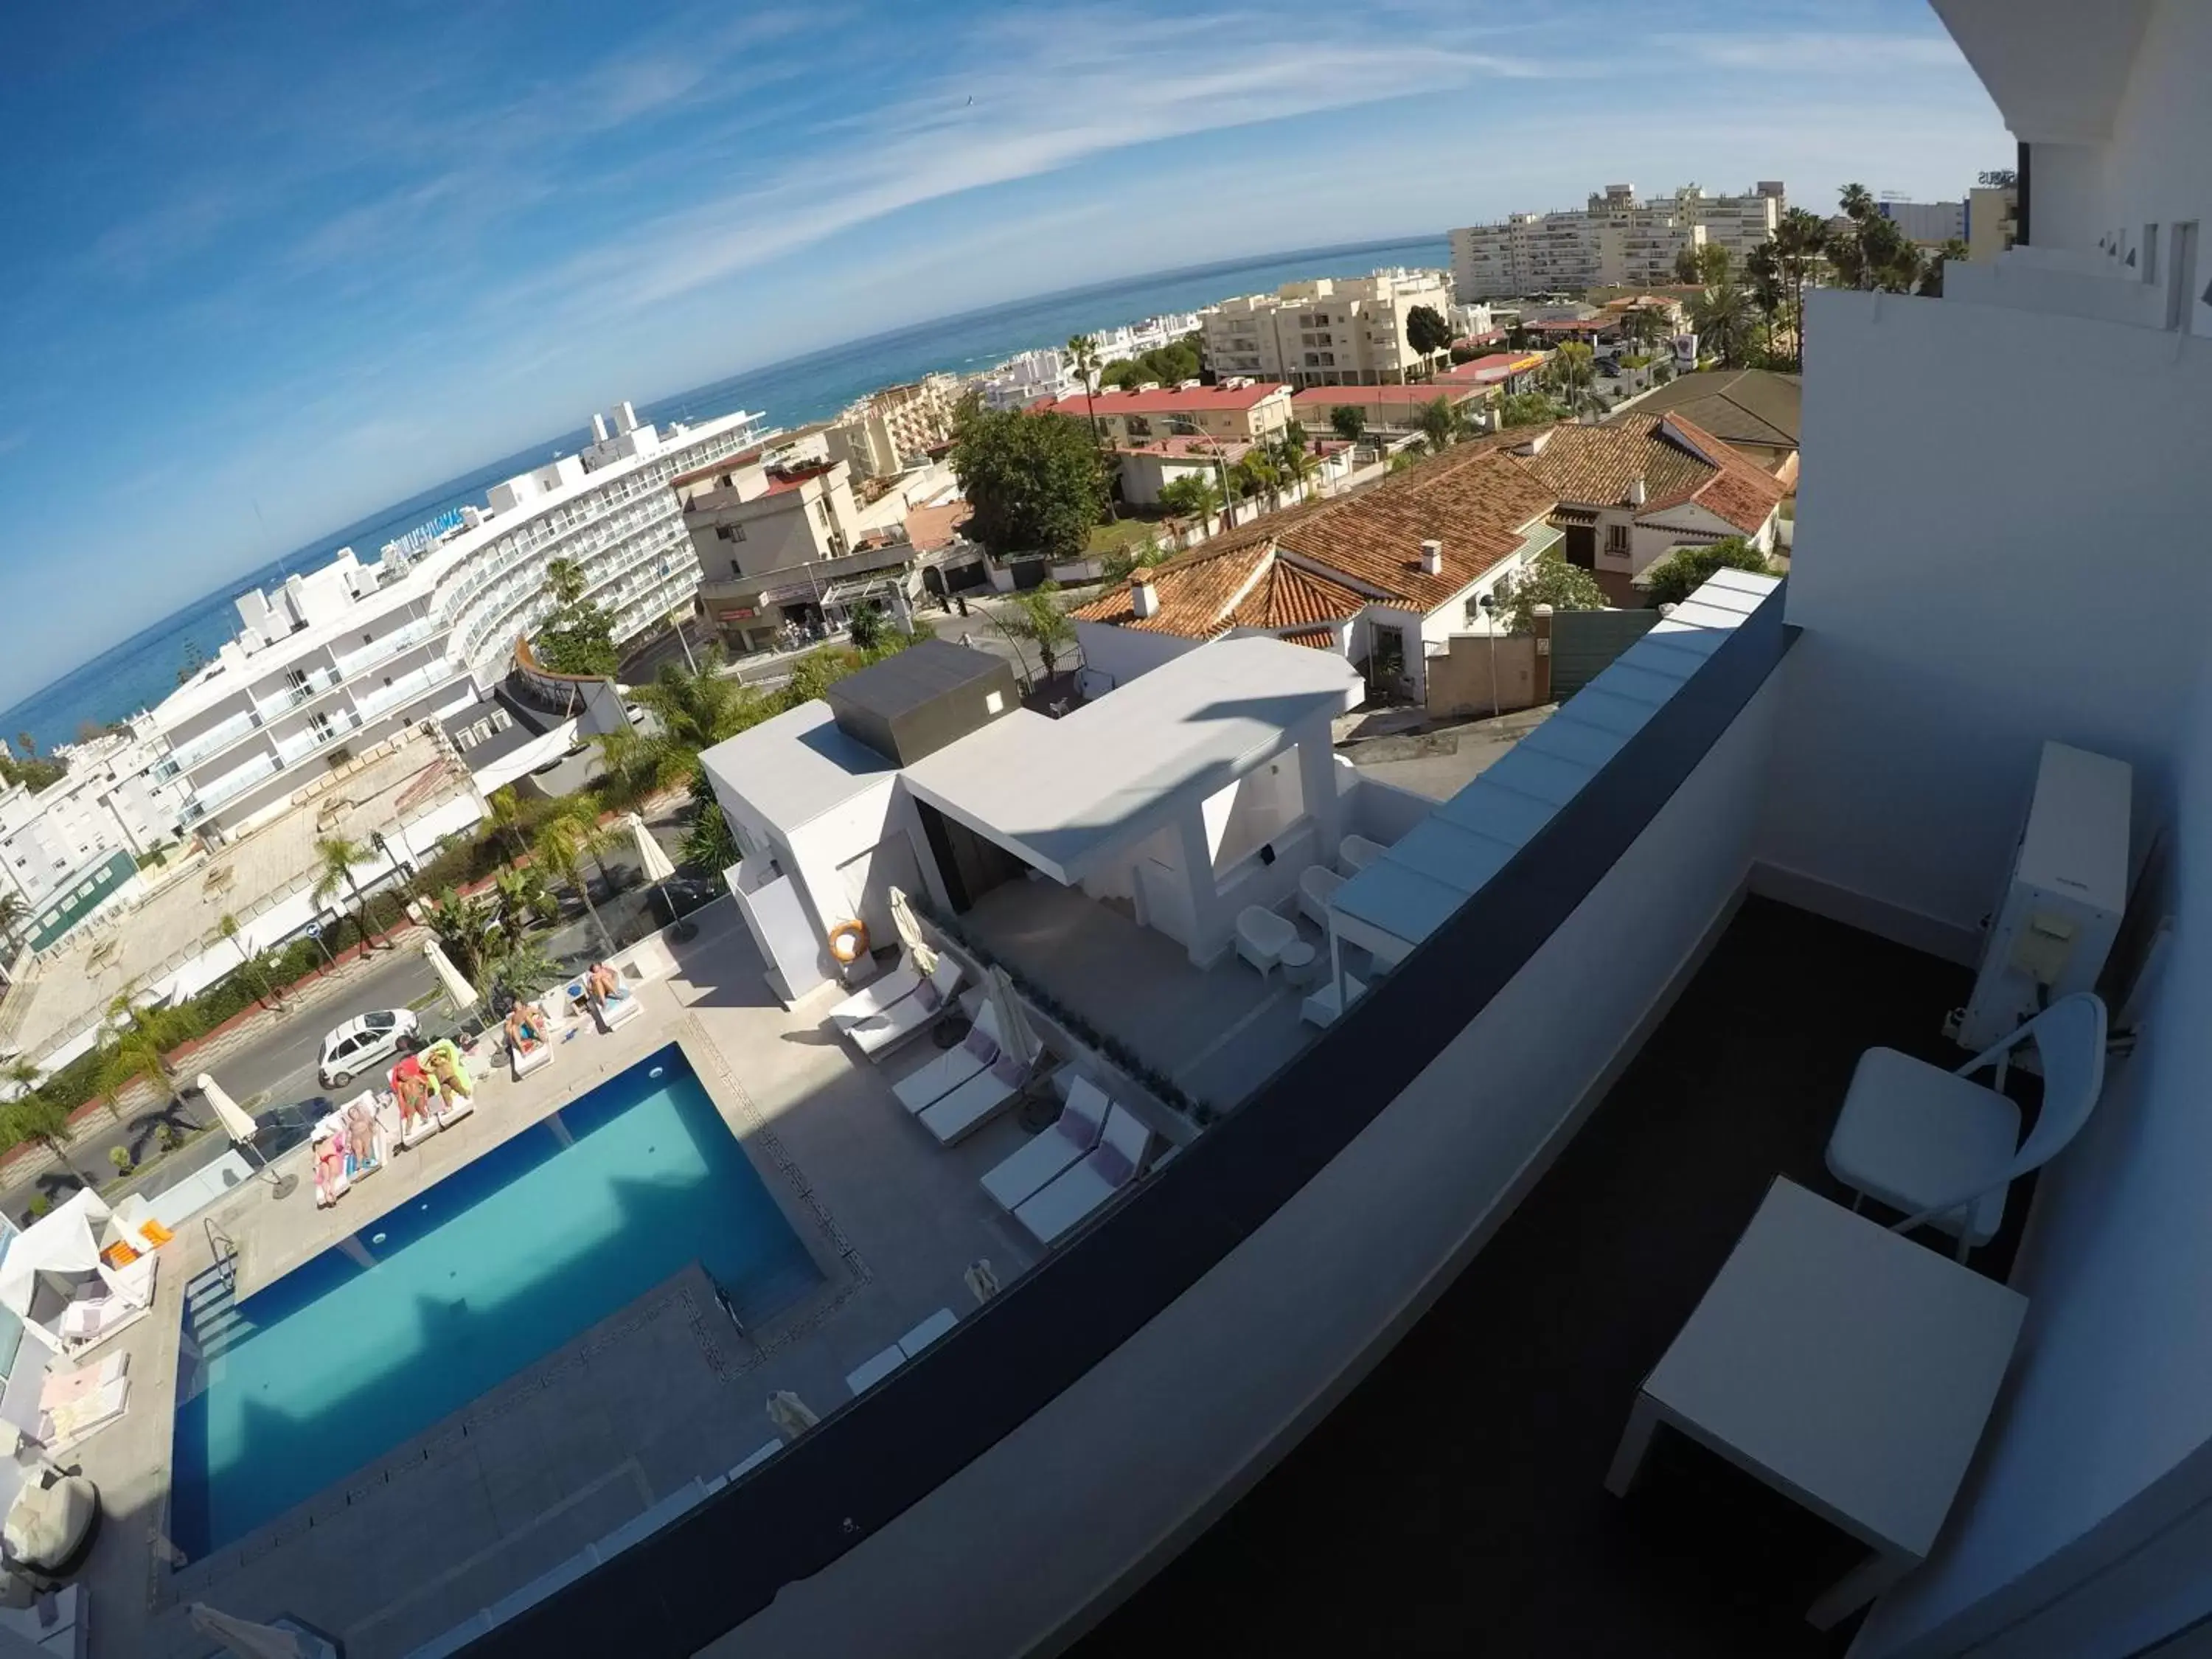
(981, 1281)
(458, 990)
(245, 1639)
(792, 1416)
(235, 1123)
(1015, 1035)
(910, 931)
(652, 863)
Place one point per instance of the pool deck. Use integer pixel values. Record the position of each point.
(665, 1390)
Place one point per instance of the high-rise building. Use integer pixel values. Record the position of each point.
(1617, 240)
(1930, 224)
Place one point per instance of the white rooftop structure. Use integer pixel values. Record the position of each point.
(800, 765)
(1064, 794)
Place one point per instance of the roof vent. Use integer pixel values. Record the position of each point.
(1535, 444)
(1144, 597)
(1638, 495)
(1432, 558)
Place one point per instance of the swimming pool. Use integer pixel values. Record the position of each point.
(501, 1263)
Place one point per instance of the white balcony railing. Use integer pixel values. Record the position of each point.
(391, 697)
(208, 742)
(390, 645)
(234, 783)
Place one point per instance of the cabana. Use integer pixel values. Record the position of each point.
(52, 1278)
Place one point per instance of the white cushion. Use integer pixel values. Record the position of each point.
(1912, 1134)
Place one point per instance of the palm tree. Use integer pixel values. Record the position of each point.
(1294, 461)
(1763, 268)
(335, 857)
(503, 811)
(562, 847)
(522, 895)
(1800, 241)
(33, 1115)
(1572, 373)
(1722, 317)
(1083, 358)
(230, 929)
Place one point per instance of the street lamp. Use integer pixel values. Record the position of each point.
(1489, 603)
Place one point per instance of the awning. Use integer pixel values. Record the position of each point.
(1564, 516)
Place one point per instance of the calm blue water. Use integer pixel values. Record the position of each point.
(495, 1266)
(145, 668)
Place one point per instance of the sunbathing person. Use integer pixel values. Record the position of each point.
(526, 1027)
(452, 1077)
(413, 1089)
(361, 1138)
(329, 1163)
(604, 986)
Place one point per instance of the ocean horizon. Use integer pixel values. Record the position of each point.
(137, 672)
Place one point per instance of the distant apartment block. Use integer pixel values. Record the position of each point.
(1329, 332)
(877, 435)
(1992, 220)
(1618, 239)
(1931, 224)
(70, 849)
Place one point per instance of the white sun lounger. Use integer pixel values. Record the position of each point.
(68, 1426)
(1057, 1149)
(939, 1077)
(877, 995)
(1070, 1197)
(555, 1003)
(977, 1101)
(878, 1035)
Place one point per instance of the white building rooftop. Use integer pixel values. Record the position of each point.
(1061, 794)
(798, 766)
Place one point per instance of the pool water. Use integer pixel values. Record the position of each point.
(498, 1265)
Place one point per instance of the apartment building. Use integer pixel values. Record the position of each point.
(335, 660)
(1992, 219)
(877, 435)
(1930, 224)
(1329, 332)
(1618, 239)
(1236, 410)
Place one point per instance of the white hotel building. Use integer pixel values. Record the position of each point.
(343, 657)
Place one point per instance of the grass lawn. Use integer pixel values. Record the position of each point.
(1122, 534)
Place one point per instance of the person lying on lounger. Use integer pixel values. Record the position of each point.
(452, 1077)
(361, 1138)
(413, 1090)
(526, 1027)
(604, 987)
(330, 1161)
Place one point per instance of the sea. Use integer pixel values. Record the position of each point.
(143, 669)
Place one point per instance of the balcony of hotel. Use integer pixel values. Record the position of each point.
(1618, 989)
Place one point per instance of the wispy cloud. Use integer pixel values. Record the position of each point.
(1830, 54)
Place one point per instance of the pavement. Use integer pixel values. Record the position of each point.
(1439, 762)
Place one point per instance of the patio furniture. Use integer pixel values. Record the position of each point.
(1844, 1366)
(1946, 1150)
(1112, 1165)
(76, 1421)
(1297, 962)
(1325, 1006)
(1053, 1150)
(619, 1009)
(51, 1524)
(878, 1035)
(877, 995)
(874, 1370)
(542, 1055)
(964, 1060)
(1260, 936)
(1316, 883)
(754, 1459)
(1356, 853)
(977, 1101)
(63, 1387)
(938, 1324)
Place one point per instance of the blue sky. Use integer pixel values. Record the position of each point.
(269, 267)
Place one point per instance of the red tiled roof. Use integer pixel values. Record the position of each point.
(1319, 639)
(1678, 462)
(1285, 595)
(928, 528)
(1329, 397)
(1168, 400)
(1196, 592)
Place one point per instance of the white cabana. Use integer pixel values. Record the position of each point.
(61, 1249)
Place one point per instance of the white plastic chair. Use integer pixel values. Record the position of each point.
(1946, 1150)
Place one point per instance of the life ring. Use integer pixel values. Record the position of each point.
(849, 942)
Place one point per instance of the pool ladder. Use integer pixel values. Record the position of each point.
(224, 1249)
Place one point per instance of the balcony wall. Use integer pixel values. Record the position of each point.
(1074, 1432)
(1980, 565)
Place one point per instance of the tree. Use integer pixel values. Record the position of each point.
(1032, 481)
(1039, 620)
(708, 842)
(1931, 277)
(1293, 460)
(561, 846)
(33, 1115)
(1682, 572)
(469, 930)
(1527, 408)
(1763, 274)
(503, 811)
(1572, 374)
(335, 857)
(1443, 423)
(1349, 422)
(1641, 325)
(578, 637)
(1548, 578)
(1083, 358)
(1426, 331)
(1169, 365)
(230, 929)
(13, 913)
(1722, 317)
(1873, 253)
(1801, 242)
(1193, 496)
(866, 627)
(1706, 264)
(523, 898)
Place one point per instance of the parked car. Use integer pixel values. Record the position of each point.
(361, 1043)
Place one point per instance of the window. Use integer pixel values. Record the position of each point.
(1616, 538)
(736, 569)
(368, 639)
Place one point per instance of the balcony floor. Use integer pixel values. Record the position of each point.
(1454, 1501)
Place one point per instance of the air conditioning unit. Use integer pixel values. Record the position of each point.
(2054, 923)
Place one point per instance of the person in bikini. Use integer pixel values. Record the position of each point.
(413, 1089)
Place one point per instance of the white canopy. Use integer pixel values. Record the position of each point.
(66, 1242)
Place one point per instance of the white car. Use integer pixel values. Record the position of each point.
(361, 1043)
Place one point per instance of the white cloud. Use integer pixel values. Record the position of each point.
(1825, 54)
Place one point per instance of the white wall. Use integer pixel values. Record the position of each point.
(989, 1563)
(2108, 1394)
(2018, 575)
(1113, 656)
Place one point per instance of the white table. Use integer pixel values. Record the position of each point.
(1297, 960)
(1849, 1368)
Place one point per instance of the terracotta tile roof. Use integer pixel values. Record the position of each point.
(932, 527)
(1168, 400)
(1317, 639)
(1197, 593)
(1326, 397)
(1286, 595)
(1594, 466)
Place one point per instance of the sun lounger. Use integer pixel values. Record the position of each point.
(1262, 936)
(871, 1371)
(1317, 886)
(877, 995)
(620, 1009)
(65, 1388)
(1356, 853)
(878, 1035)
(1070, 1197)
(1060, 1148)
(553, 1003)
(948, 1071)
(977, 1101)
(68, 1425)
(419, 1128)
(85, 1325)
(939, 1325)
